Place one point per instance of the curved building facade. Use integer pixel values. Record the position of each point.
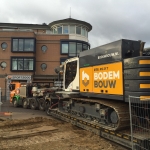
(75, 28)
(78, 35)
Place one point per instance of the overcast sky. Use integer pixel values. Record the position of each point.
(111, 20)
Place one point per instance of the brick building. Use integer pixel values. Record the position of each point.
(30, 52)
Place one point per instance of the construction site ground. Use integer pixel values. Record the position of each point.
(30, 129)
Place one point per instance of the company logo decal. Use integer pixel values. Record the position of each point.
(108, 55)
(85, 78)
(106, 79)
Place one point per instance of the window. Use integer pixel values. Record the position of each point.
(55, 30)
(73, 47)
(83, 31)
(59, 30)
(4, 45)
(43, 66)
(86, 33)
(28, 44)
(71, 70)
(48, 32)
(3, 64)
(79, 48)
(15, 44)
(78, 30)
(85, 47)
(44, 48)
(72, 29)
(64, 48)
(22, 64)
(65, 29)
(23, 45)
(20, 44)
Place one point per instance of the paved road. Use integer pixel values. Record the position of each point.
(19, 112)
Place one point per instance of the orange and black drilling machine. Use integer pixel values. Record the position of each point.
(115, 71)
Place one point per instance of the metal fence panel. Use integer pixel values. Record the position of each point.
(5, 104)
(140, 122)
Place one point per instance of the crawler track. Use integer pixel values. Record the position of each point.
(121, 109)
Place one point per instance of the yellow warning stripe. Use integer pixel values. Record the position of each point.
(144, 86)
(84, 122)
(126, 137)
(144, 73)
(144, 98)
(135, 141)
(119, 135)
(106, 130)
(112, 132)
(142, 62)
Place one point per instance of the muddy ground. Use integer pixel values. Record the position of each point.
(17, 135)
